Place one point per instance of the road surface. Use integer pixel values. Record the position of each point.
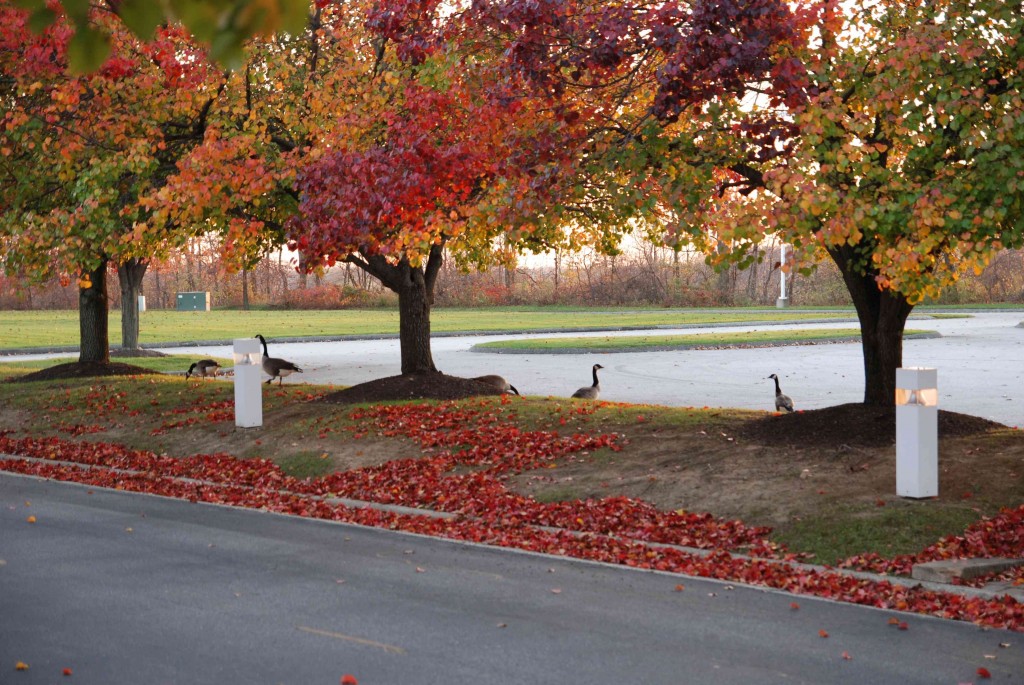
(134, 589)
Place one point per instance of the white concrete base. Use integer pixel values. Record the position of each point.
(782, 302)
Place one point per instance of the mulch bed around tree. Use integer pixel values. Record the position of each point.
(427, 386)
(855, 425)
(81, 370)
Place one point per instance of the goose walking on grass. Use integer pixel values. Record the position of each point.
(274, 367)
(497, 382)
(782, 402)
(590, 392)
(204, 367)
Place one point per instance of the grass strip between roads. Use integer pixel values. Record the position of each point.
(631, 343)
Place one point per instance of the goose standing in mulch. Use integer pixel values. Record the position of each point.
(275, 367)
(590, 392)
(204, 367)
(782, 402)
(497, 382)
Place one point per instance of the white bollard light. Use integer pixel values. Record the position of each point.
(248, 386)
(917, 432)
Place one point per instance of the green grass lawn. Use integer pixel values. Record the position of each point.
(26, 329)
(641, 342)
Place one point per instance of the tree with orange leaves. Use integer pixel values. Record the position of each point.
(904, 164)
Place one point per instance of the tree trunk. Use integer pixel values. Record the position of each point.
(130, 275)
(190, 276)
(303, 271)
(752, 276)
(94, 339)
(883, 316)
(245, 289)
(558, 267)
(159, 289)
(415, 289)
(414, 326)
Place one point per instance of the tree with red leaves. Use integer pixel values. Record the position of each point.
(537, 123)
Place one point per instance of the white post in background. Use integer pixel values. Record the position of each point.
(917, 432)
(142, 303)
(248, 388)
(783, 301)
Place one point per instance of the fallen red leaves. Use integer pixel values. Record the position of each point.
(999, 536)
(479, 438)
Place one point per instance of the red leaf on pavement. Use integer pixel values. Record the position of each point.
(66, 671)
(822, 633)
(983, 673)
(846, 656)
(349, 679)
(794, 606)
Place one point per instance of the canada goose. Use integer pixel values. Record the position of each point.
(497, 382)
(274, 367)
(590, 392)
(204, 368)
(781, 401)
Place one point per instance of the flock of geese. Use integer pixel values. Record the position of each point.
(279, 368)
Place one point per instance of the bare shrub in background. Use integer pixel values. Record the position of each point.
(642, 276)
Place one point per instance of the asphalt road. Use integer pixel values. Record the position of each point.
(133, 589)
(980, 362)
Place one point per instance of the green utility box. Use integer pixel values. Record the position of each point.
(194, 302)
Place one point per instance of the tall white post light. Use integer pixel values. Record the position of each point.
(917, 432)
(783, 301)
(248, 388)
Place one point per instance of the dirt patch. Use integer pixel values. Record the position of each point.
(294, 431)
(428, 386)
(776, 470)
(81, 370)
